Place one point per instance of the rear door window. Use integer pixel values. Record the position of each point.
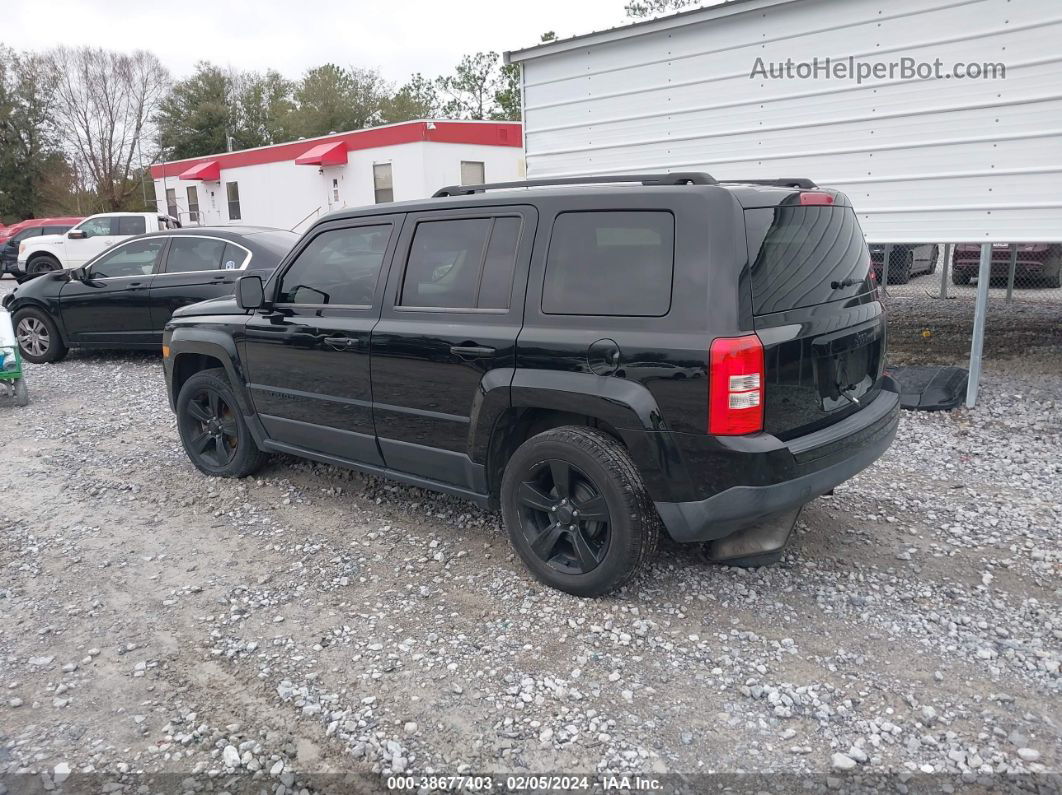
(129, 225)
(619, 263)
(189, 254)
(803, 256)
(461, 263)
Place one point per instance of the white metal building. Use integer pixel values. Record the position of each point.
(923, 160)
(290, 185)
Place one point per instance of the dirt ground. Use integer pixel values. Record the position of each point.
(312, 628)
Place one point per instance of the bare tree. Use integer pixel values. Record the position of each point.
(105, 102)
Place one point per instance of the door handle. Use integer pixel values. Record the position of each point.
(344, 343)
(472, 351)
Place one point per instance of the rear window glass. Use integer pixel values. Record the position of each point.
(803, 256)
(610, 263)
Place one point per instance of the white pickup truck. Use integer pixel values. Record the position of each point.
(37, 255)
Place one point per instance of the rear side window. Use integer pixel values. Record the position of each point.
(194, 254)
(803, 256)
(464, 263)
(128, 225)
(339, 266)
(610, 263)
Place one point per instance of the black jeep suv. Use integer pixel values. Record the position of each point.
(597, 356)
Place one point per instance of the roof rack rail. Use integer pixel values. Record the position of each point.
(784, 182)
(678, 178)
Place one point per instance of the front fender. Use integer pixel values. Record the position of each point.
(214, 343)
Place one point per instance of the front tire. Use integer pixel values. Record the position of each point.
(901, 267)
(212, 429)
(577, 512)
(38, 337)
(41, 264)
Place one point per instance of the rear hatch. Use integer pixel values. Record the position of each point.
(816, 311)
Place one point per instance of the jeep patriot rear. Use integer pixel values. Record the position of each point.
(598, 357)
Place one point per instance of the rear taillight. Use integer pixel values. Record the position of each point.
(735, 393)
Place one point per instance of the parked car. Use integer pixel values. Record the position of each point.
(85, 240)
(474, 344)
(123, 297)
(14, 235)
(905, 260)
(1037, 264)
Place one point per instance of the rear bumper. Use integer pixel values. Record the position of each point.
(815, 464)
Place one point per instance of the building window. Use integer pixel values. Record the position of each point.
(472, 173)
(382, 182)
(232, 193)
(193, 204)
(171, 201)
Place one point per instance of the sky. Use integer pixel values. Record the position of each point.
(398, 37)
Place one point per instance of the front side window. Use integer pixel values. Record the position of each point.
(472, 172)
(171, 201)
(96, 227)
(193, 204)
(339, 266)
(464, 263)
(232, 194)
(128, 225)
(195, 254)
(610, 263)
(383, 183)
(133, 259)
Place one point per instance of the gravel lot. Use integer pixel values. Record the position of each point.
(314, 621)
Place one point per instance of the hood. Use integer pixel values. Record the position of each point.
(225, 305)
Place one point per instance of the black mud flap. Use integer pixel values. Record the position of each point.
(931, 388)
(759, 545)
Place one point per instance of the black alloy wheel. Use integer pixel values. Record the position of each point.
(564, 517)
(215, 436)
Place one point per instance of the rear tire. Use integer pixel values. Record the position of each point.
(548, 481)
(212, 429)
(959, 278)
(38, 337)
(934, 255)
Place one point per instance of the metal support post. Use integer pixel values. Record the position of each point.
(1012, 270)
(944, 270)
(984, 276)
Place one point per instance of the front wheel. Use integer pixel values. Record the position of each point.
(213, 432)
(38, 337)
(577, 512)
(38, 266)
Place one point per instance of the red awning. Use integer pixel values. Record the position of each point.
(209, 171)
(330, 154)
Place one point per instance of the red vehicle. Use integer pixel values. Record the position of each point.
(1037, 263)
(16, 233)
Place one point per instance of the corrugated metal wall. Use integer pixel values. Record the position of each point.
(922, 160)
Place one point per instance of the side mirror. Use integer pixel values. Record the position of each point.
(75, 234)
(249, 292)
(80, 274)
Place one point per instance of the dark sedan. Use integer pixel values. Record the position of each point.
(124, 297)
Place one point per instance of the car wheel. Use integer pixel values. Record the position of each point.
(901, 266)
(958, 277)
(38, 338)
(1054, 279)
(577, 512)
(212, 429)
(40, 265)
(934, 255)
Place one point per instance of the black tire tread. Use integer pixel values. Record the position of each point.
(615, 459)
(250, 458)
